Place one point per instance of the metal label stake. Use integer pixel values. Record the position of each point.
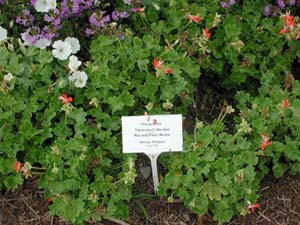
(153, 159)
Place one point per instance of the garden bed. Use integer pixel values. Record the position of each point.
(69, 73)
(279, 205)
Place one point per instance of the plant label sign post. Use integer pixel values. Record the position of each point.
(152, 135)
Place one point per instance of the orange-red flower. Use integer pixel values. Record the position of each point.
(18, 166)
(65, 99)
(206, 33)
(285, 103)
(254, 206)
(194, 18)
(157, 63)
(289, 21)
(283, 30)
(168, 71)
(140, 9)
(265, 142)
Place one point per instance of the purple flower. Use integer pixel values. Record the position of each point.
(133, 10)
(281, 4)
(128, 2)
(115, 15)
(99, 21)
(2, 2)
(227, 4)
(224, 5)
(26, 19)
(267, 10)
(124, 15)
(292, 2)
(48, 18)
(89, 32)
(32, 2)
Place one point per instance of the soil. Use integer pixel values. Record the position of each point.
(279, 205)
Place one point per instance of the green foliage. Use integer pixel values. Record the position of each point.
(153, 64)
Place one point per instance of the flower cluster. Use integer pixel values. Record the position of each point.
(265, 141)
(290, 27)
(158, 65)
(39, 31)
(65, 99)
(24, 168)
(275, 10)
(271, 10)
(282, 3)
(227, 3)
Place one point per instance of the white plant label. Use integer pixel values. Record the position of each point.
(152, 135)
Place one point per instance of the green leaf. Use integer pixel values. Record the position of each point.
(223, 211)
(44, 57)
(291, 151)
(232, 26)
(213, 191)
(222, 179)
(13, 181)
(7, 165)
(173, 179)
(78, 115)
(198, 204)
(190, 67)
(222, 164)
(67, 207)
(115, 103)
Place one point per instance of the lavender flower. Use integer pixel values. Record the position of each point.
(267, 10)
(115, 15)
(292, 2)
(281, 4)
(227, 4)
(124, 15)
(26, 19)
(127, 2)
(89, 32)
(2, 2)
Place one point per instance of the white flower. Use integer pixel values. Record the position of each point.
(8, 77)
(74, 44)
(61, 50)
(52, 4)
(79, 78)
(42, 43)
(44, 5)
(3, 34)
(74, 63)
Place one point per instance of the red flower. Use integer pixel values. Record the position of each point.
(206, 33)
(157, 63)
(254, 206)
(285, 103)
(168, 70)
(140, 10)
(265, 142)
(65, 99)
(283, 30)
(195, 19)
(18, 166)
(289, 21)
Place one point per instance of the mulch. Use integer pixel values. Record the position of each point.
(279, 205)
